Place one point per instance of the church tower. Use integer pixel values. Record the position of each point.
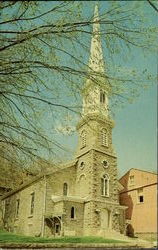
(95, 100)
(97, 164)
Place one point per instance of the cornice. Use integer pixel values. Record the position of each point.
(116, 204)
(95, 117)
(57, 199)
(68, 198)
(95, 149)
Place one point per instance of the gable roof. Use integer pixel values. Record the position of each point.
(137, 169)
(40, 176)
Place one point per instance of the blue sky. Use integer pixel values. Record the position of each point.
(134, 135)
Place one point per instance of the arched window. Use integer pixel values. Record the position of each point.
(32, 202)
(105, 185)
(17, 207)
(102, 96)
(72, 213)
(83, 139)
(82, 165)
(65, 188)
(82, 182)
(104, 137)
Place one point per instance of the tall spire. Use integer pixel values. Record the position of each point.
(95, 93)
(96, 62)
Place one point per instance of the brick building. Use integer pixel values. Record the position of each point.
(81, 197)
(140, 196)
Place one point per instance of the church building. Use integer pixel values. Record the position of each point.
(80, 198)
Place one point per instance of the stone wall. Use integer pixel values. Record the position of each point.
(73, 226)
(99, 170)
(84, 175)
(62, 208)
(101, 212)
(101, 218)
(54, 186)
(56, 180)
(24, 222)
(93, 126)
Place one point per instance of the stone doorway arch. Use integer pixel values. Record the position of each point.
(54, 225)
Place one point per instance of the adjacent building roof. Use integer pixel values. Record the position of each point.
(141, 179)
(137, 169)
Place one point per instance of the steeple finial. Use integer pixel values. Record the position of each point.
(96, 18)
(96, 62)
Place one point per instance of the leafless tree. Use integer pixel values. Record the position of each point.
(43, 64)
(153, 4)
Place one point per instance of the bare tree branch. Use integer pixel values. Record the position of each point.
(152, 5)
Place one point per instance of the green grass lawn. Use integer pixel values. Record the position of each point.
(6, 237)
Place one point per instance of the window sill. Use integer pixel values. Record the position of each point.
(139, 203)
(30, 216)
(105, 196)
(105, 167)
(105, 146)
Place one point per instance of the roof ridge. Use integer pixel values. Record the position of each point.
(137, 170)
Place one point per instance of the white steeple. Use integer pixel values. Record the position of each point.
(95, 98)
(96, 62)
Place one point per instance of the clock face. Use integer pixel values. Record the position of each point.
(105, 164)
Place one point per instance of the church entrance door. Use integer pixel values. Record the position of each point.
(105, 219)
(57, 226)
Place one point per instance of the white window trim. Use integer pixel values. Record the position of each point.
(104, 137)
(74, 218)
(31, 214)
(105, 166)
(131, 183)
(106, 178)
(140, 193)
(83, 139)
(17, 208)
(102, 97)
(67, 188)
